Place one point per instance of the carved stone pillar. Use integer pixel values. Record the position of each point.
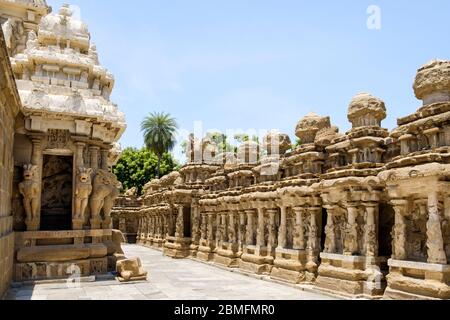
(330, 231)
(219, 227)
(94, 157)
(435, 241)
(104, 157)
(33, 223)
(224, 228)
(195, 211)
(232, 229)
(371, 230)
(250, 235)
(299, 233)
(210, 232)
(260, 240)
(433, 137)
(313, 245)
(399, 231)
(179, 225)
(204, 227)
(79, 158)
(282, 231)
(272, 239)
(351, 234)
(404, 144)
(242, 230)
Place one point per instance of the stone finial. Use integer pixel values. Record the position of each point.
(366, 110)
(309, 125)
(276, 143)
(432, 83)
(65, 10)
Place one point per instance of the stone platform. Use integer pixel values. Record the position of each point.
(168, 280)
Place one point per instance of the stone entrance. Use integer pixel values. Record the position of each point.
(57, 182)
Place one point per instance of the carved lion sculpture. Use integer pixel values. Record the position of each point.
(131, 270)
(83, 190)
(105, 190)
(29, 189)
(131, 192)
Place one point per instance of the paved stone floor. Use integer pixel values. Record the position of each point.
(168, 280)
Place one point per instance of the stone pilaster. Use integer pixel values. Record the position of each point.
(282, 231)
(37, 160)
(313, 245)
(242, 229)
(399, 231)
(179, 225)
(351, 234)
(210, 233)
(94, 157)
(272, 239)
(299, 231)
(435, 242)
(260, 239)
(371, 230)
(104, 158)
(250, 234)
(330, 231)
(204, 227)
(232, 236)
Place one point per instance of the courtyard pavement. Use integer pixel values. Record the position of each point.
(168, 280)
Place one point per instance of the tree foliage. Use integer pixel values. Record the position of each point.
(159, 134)
(137, 167)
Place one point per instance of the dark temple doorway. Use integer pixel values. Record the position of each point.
(56, 208)
(187, 221)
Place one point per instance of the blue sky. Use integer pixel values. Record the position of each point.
(261, 64)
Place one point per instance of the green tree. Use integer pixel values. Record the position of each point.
(159, 135)
(137, 167)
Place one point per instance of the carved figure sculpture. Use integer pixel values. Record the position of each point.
(29, 189)
(131, 270)
(83, 189)
(131, 192)
(105, 191)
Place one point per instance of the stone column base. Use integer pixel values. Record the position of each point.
(227, 255)
(77, 224)
(33, 225)
(289, 266)
(95, 223)
(256, 260)
(177, 248)
(417, 280)
(356, 276)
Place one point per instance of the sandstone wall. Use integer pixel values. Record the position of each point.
(9, 108)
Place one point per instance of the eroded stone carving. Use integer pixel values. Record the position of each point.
(30, 190)
(131, 270)
(83, 189)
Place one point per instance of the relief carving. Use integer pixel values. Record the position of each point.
(30, 191)
(83, 189)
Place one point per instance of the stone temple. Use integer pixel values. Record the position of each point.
(364, 214)
(58, 133)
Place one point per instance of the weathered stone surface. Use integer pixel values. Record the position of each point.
(332, 211)
(131, 270)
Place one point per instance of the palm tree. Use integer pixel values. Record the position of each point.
(159, 134)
